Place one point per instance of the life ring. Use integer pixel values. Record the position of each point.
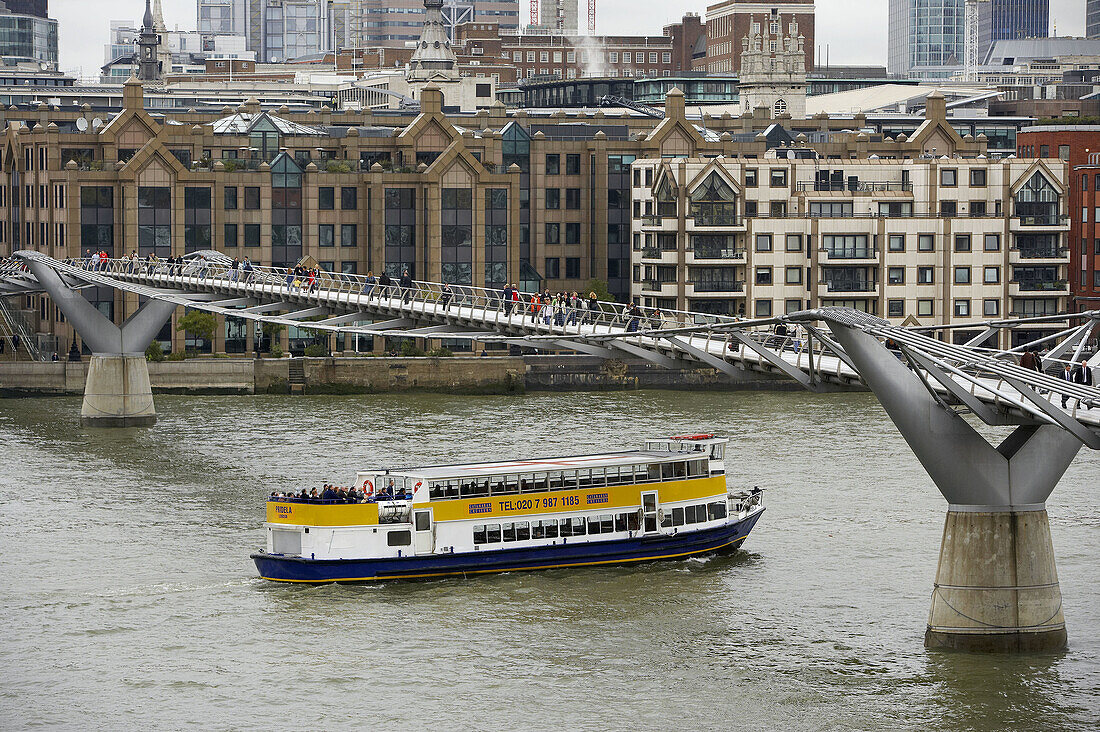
(417, 486)
(368, 487)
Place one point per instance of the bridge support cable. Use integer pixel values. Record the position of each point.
(986, 597)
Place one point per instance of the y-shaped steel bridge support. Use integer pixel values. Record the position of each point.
(117, 391)
(996, 586)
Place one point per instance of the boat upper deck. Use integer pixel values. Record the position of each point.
(542, 465)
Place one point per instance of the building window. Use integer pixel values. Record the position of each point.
(763, 308)
(792, 306)
(977, 177)
(252, 198)
(325, 235)
(456, 236)
(925, 276)
(1063, 152)
(992, 242)
(154, 221)
(496, 237)
(895, 275)
(949, 177)
(962, 275)
(230, 236)
(925, 243)
(553, 233)
(763, 242)
(252, 235)
(924, 307)
(750, 178)
(400, 231)
(794, 242)
(553, 162)
(230, 198)
(778, 178)
(573, 198)
(962, 308)
(949, 209)
(348, 235)
(349, 198)
(793, 275)
(196, 219)
(763, 275)
(553, 198)
(991, 307)
(326, 198)
(896, 243)
(895, 308)
(572, 268)
(572, 233)
(991, 275)
(962, 242)
(552, 269)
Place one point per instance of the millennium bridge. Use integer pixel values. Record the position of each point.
(996, 586)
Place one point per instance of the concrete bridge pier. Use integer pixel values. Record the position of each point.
(117, 391)
(996, 585)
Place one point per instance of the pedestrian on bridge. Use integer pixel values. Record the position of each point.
(368, 284)
(406, 287)
(445, 296)
(384, 283)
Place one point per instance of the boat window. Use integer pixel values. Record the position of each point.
(523, 531)
(697, 468)
(717, 510)
(689, 514)
(511, 483)
(569, 479)
(553, 481)
(599, 476)
(479, 533)
(539, 483)
(666, 520)
(593, 524)
(611, 475)
(666, 471)
(620, 521)
(649, 502)
(680, 470)
(399, 538)
(607, 522)
(452, 488)
(654, 473)
(482, 486)
(284, 541)
(435, 489)
(551, 528)
(566, 527)
(633, 521)
(423, 520)
(717, 450)
(508, 531)
(492, 533)
(537, 531)
(677, 517)
(578, 525)
(496, 485)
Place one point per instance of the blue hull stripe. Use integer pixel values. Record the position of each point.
(619, 551)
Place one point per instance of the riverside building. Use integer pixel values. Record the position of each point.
(916, 240)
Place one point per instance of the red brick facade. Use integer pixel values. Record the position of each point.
(728, 22)
(685, 35)
(1079, 145)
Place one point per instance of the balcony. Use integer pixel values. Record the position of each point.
(852, 186)
(1025, 223)
(707, 253)
(865, 253)
(654, 285)
(865, 286)
(1040, 252)
(717, 286)
(652, 221)
(1040, 286)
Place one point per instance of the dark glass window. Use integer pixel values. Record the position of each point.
(230, 198)
(196, 219)
(155, 221)
(349, 198)
(252, 198)
(326, 198)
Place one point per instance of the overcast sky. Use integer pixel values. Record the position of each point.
(855, 30)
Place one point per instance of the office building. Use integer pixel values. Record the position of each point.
(1092, 18)
(1000, 20)
(731, 21)
(27, 35)
(925, 38)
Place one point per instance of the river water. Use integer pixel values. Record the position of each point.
(129, 600)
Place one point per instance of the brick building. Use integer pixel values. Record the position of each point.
(1079, 147)
(569, 57)
(689, 41)
(732, 20)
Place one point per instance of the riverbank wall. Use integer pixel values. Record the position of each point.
(369, 375)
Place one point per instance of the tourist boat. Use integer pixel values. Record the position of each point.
(666, 501)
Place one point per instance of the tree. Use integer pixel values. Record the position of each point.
(270, 330)
(197, 323)
(600, 288)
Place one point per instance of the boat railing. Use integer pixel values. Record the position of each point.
(377, 498)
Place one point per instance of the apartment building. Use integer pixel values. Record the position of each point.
(920, 240)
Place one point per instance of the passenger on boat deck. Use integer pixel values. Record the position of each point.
(313, 493)
(328, 494)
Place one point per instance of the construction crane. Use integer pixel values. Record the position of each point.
(970, 38)
(534, 12)
(591, 17)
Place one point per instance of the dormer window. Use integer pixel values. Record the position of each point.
(1037, 202)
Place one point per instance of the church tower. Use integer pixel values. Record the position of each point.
(773, 67)
(149, 64)
(433, 59)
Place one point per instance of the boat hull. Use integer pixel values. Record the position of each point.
(729, 537)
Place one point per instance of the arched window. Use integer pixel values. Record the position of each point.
(714, 202)
(780, 107)
(666, 199)
(1037, 202)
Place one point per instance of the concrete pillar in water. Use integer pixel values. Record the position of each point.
(996, 585)
(117, 391)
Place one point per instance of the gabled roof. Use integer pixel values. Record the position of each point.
(243, 123)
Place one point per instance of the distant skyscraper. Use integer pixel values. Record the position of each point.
(27, 35)
(925, 37)
(1092, 18)
(1000, 20)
